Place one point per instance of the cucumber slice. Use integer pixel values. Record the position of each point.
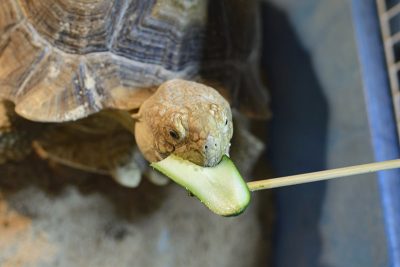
(220, 188)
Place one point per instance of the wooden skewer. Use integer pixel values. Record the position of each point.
(323, 175)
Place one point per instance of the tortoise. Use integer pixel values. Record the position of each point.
(83, 76)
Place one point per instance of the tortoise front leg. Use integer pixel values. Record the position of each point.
(15, 135)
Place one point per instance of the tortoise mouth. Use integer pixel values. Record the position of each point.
(194, 156)
(199, 158)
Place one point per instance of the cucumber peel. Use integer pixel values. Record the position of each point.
(220, 188)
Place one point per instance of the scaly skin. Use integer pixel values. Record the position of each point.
(16, 134)
(188, 119)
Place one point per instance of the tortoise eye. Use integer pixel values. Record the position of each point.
(226, 122)
(174, 135)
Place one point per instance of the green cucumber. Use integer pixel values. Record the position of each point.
(220, 188)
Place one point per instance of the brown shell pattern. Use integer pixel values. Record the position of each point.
(62, 60)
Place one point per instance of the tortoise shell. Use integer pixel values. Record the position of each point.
(62, 60)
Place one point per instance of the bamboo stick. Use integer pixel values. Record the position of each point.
(323, 175)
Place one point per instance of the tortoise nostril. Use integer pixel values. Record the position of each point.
(206, 146)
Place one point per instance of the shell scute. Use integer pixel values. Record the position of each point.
(74, 26)
(19, 55)
(128, 83)
(152, 32)
(72, 90)
(9, 16)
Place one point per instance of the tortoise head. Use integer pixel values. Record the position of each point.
(188, 119)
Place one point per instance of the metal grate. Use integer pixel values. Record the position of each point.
(389, 16)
